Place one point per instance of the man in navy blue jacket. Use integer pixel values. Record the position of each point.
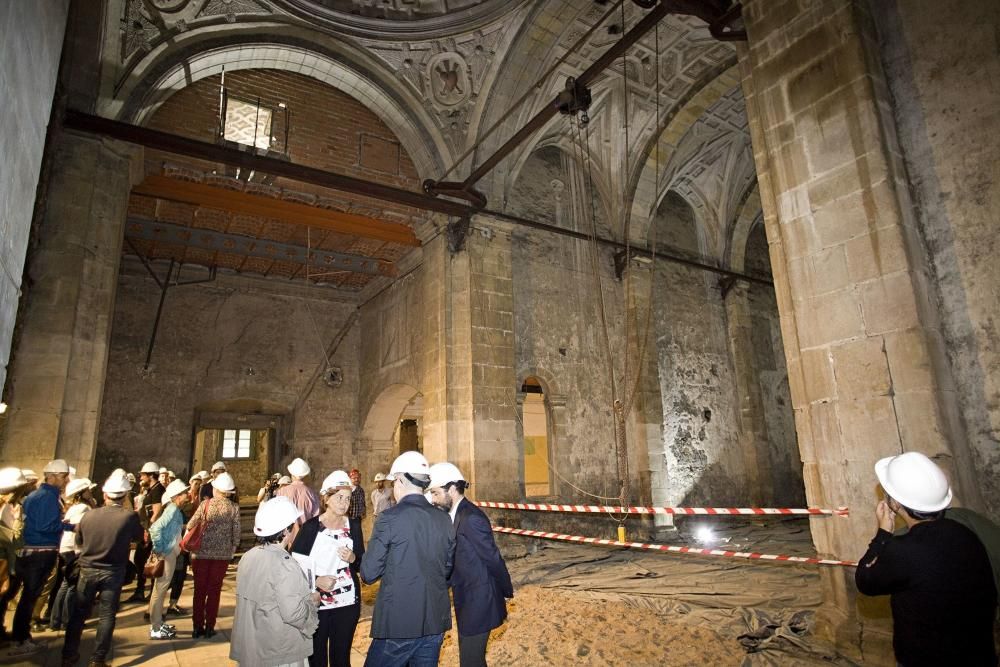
(479, 580)
(43, 529)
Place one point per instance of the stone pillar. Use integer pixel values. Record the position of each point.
(866, 368)
(750, 410)
(645, 433)
(57, 378)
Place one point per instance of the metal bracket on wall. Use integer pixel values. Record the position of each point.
(457, 231)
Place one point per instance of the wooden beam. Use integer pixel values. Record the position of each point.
(293, 213)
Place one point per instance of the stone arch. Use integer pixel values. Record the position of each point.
(383, 415)
(750, 215)
(555, 416)
(202, 53)
(645, 192)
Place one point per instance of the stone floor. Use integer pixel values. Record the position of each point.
(133, 647)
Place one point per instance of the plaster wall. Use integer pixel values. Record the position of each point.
(29, 62)
(946, 107)
(240, 345)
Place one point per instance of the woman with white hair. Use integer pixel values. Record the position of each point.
(219, 541)
(275, 606)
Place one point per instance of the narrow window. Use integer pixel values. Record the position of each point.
(537, 481)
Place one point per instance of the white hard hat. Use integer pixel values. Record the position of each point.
(379, 477)
(409, 463)
(224, 483)
(285, 480)
(204, 474)
(175, 488)
(56, 466)
(117, 485)
(914, 481)
(275, 515)
(444, 473)
(335, 480)
(150, 467)
(29, 474)
(195, 476)
(11, 478)
(218, 465)
(130, 477)
(76, 486)
(299, 468)
(72, 473)
(163, 469)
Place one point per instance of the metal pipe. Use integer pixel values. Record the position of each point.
(159, 311)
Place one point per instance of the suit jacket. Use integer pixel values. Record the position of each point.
(480, 580)
(411, 551)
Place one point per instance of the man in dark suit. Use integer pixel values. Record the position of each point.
(411, 551)
(479, 580)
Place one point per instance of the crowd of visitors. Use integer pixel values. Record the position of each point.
(67, 550)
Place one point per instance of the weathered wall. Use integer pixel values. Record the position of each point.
(941, 65)
(29, 62)
(245, 344)
(704, 464)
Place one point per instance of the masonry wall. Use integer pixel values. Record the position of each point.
(238, 344)
(941, 64)
(29, 62)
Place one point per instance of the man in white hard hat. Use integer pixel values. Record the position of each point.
(149, 511)
(410, 550)
(104, 536)
(479, 581)
(938, 573)
(381, 497)
(43, 530)
(299, 493)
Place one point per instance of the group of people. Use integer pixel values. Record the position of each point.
(298, 592)
(60, 546)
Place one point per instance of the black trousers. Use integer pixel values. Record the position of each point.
(472, 650)
(180, 576)
(334, 636)
(142, 550)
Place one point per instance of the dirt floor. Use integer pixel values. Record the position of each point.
(586, 605)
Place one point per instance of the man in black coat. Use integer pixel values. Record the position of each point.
(411, 551)
(479, 580)
(937, 574)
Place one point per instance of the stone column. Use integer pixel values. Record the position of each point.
(750, 411)
(866, 368)
(57, 378)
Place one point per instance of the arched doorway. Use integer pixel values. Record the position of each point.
(393, 424)
(535, 439)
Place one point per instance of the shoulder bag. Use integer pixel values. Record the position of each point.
(191, 542)
(154, 567)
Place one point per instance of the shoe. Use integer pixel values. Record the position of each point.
(70, 662)
(197, 634)
(209, 634)
(162, 633)
(136, 597)
(39, 626)
(176, 610)
(26, 647)
(169, 626)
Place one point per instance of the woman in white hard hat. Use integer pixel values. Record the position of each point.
(219, 541)
(330, 547)
(79, 501)
(275, 607)
(14, 486)
(165, 534)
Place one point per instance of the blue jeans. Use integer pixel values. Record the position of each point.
(93, 582)
(34, 570)
(417, 652)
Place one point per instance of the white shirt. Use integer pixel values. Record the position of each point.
(454, 508)
(73, 515)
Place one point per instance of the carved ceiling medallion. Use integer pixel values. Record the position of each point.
(449, 79)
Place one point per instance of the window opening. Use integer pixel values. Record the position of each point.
(536, 440)
(236, 444)
(248, 123)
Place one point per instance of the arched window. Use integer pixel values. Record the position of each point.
(535, 411)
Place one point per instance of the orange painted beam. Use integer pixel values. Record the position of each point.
(293, 213)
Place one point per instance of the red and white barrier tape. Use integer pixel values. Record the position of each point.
(675, 549)
(688, 511)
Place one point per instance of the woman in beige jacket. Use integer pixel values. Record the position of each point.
(275, 607)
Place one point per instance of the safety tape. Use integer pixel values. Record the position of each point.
(689, 511)
(675, 549)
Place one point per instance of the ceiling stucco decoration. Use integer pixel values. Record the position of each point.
(415, 19)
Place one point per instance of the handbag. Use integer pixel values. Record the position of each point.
(191, 542)
(153, 569)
